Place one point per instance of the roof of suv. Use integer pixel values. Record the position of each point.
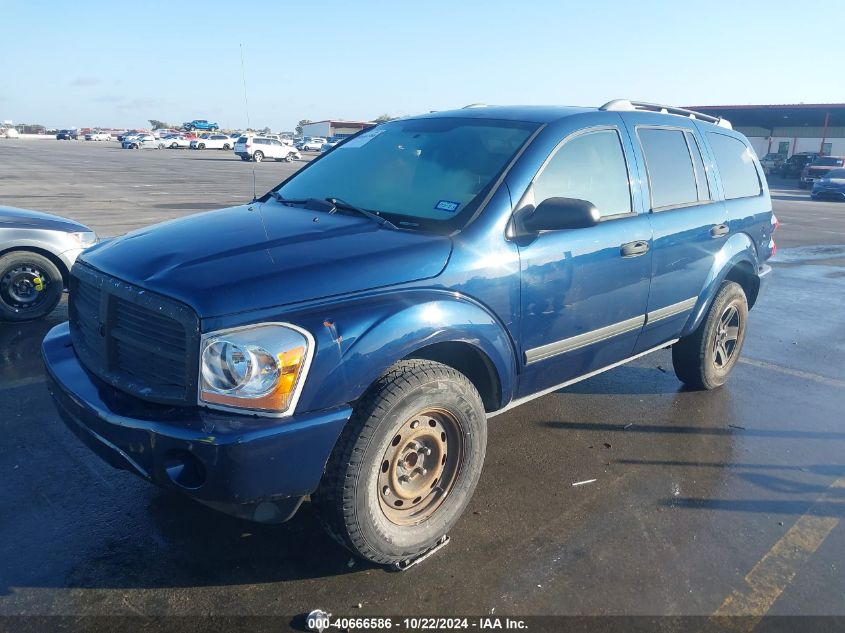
(547, 114)
(534, 114)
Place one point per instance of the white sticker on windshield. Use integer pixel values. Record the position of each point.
(365, 138)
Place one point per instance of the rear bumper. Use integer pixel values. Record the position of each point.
(252, 467)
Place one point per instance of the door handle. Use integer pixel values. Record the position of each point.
(719, 230)
(634, 249)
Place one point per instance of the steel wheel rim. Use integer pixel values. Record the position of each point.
(419, 467)
(19, 286)
(726, 338)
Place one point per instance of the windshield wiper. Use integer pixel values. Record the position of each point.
(338, 203)
(333, 204)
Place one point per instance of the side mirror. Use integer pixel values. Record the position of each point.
(555, 214)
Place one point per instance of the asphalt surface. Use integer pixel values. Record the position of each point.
(723, 502)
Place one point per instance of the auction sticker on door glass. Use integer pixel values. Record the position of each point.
(365, 138)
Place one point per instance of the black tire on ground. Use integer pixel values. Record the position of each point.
(244, 157)
(705, 358)
(226, 146)
(258, 156)
(200, 145)
(405, 414)
(22, 273)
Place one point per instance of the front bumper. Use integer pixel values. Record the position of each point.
(829, 193)
(253, 467)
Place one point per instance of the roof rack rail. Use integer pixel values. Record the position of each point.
(625, 105)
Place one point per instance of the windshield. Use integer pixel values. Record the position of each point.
(827, 162)
(430, 173)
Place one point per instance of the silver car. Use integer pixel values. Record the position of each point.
(37, 251)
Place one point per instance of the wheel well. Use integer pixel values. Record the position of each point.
(472, 363)
(743, 274)
(51, 256)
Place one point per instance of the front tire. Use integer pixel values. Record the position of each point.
(30, 286)
(705, 358)
(406, 463)
(226, 146)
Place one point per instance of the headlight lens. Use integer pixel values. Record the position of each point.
(85, 238)
(258, 367)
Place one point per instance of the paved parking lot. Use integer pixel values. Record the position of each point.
(724, 502)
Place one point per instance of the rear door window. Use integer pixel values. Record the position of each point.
(736, 166)
(671, 176)
(588, 167)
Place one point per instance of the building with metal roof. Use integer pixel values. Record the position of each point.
(787, 128)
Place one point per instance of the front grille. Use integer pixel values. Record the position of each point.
(140, 342)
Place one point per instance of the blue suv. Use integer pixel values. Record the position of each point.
(347, 335)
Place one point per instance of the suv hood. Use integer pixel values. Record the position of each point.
(263, 255)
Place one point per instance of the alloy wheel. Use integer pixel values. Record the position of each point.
(726, 336)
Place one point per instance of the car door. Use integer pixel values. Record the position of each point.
(276, 148)
(688, 220)
(584, 291)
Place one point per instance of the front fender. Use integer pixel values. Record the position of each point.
(737, 249)
(360, 341)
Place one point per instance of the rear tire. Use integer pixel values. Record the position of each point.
(30, 286)
(705, 358)
(258, 156)
(406, 463)
(226, 146)
(200, 145)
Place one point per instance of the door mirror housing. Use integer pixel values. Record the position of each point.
(556, 214)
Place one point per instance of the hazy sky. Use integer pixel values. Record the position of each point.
(86, 63)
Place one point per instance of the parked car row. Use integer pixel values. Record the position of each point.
(812, 169)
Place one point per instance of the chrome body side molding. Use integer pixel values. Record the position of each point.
(582, 340)
(672, 310)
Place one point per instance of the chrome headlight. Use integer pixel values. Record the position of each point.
(258, 367)
(85, 238)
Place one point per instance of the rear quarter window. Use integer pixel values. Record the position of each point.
(735, 163)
